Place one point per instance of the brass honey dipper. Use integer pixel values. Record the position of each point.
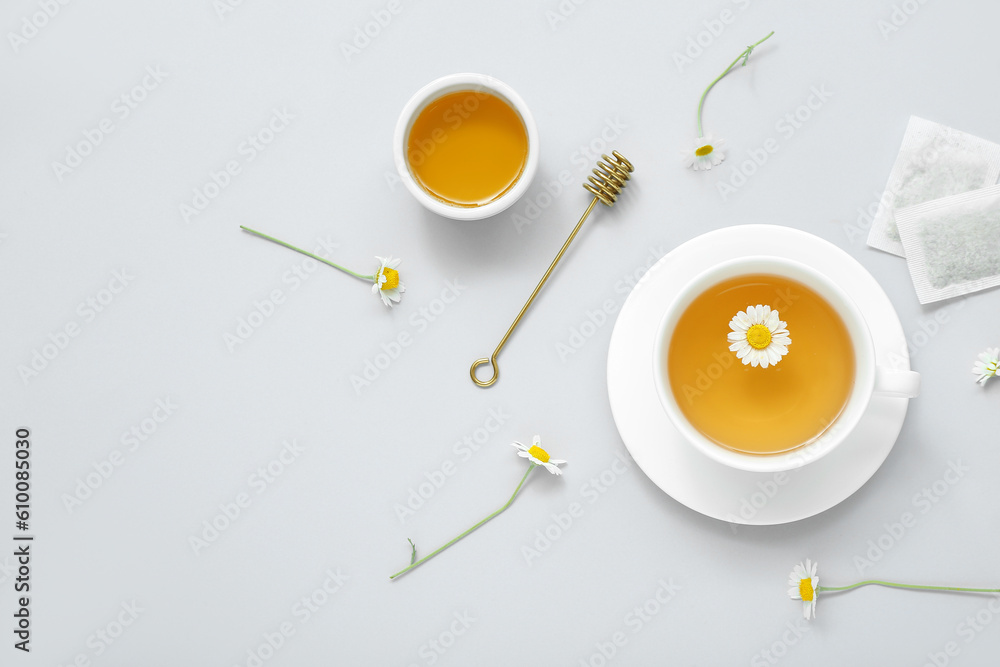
(609, 179)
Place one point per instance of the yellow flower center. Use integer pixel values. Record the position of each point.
(759, 336)
(391, 278)
(806, 591)
(704, 150)
(539, 453)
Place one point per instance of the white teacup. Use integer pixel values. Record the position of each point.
(869, 378)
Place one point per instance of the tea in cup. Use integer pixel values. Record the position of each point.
(790, 409)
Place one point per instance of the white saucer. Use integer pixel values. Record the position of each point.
(676, 466)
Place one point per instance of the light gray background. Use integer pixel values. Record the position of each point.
(329, 175)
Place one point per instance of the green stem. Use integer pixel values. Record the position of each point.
(746, 54)
(531, 467)
(876, 582)
(309, 254)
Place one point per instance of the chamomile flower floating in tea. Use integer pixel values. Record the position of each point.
(537, 457)
(805, 586)
(758, 336)
(385, 281)
(987, 364)
(705, 153)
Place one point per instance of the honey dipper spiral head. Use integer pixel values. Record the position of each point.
(610, 177)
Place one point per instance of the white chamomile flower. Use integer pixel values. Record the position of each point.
(987, 364)
(539, 456)
(758, 337)
(804, 585)
(387, 283)
(704, 153)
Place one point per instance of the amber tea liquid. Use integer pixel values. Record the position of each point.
(467, 148)
(761, 410)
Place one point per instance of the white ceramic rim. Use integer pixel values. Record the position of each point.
(451, 84)
(861, 339)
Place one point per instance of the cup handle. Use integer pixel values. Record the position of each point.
(898, 383)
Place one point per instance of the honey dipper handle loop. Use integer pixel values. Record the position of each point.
(479, 362)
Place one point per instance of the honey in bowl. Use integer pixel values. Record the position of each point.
(758, 410)
(467, 148)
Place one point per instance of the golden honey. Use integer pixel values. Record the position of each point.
(467, 148)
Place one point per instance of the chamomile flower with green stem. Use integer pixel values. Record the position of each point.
(804, 585)
(385, 279)
(537, 458)
(704, 153)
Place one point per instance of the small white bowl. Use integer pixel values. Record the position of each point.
(454, 83)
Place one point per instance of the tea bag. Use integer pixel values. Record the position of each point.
(952, 244)
(934, 161)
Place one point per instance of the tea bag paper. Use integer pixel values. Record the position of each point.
(934, 161)
(953, 244)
